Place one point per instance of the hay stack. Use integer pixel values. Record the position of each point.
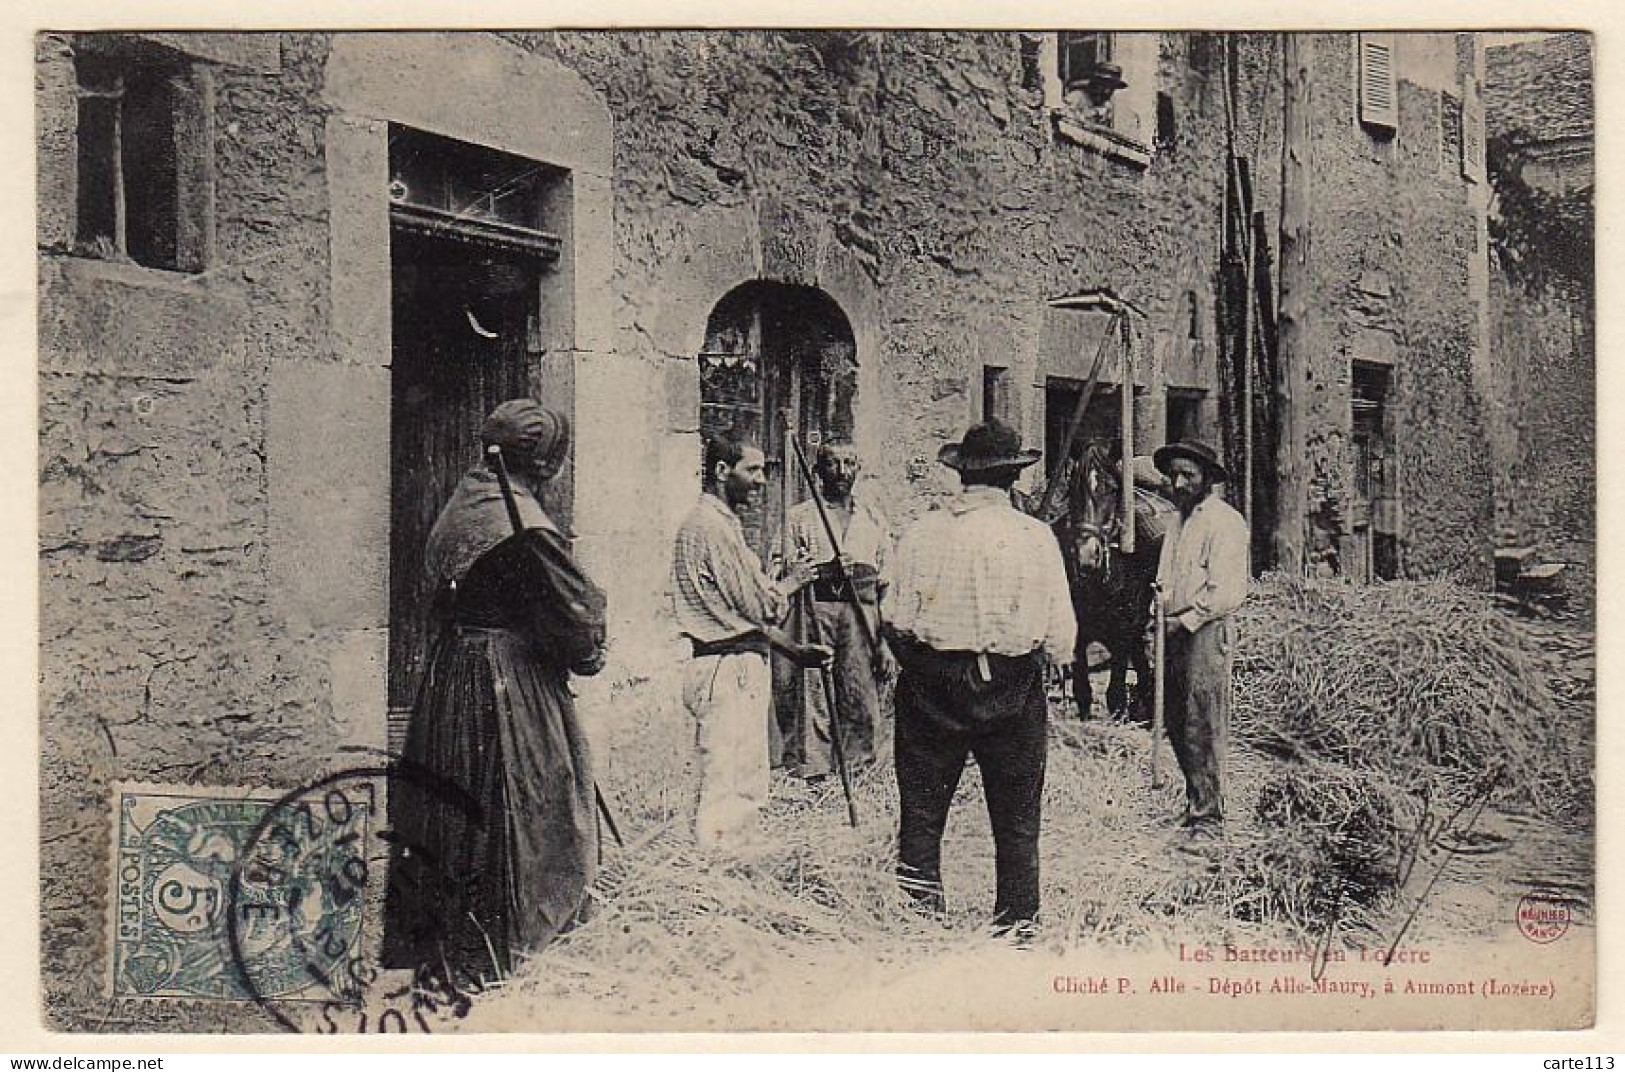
(1425, 682)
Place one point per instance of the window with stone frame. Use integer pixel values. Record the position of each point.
(1099, 88)
(998, 399)
(143, 143)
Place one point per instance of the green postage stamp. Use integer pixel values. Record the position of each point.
(237, 895)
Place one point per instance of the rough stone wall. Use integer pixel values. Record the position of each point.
(1392, 246)
(1544, 90)
(1541, 93)
(161, 657)
(1545, 449)
(737, 157)
(917, 161)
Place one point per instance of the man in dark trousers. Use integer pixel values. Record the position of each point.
(978, 602)
(1203, 575)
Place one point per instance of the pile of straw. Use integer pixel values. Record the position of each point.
(1427, 682)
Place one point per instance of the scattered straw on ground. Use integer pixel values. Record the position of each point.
(1351, 704)
(1428, 682)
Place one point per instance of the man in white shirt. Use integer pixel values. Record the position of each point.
(728, 608)
(1203, 575)
(978, 602)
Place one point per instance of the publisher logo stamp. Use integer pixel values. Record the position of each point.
(1543, 918)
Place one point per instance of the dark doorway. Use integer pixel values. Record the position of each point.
(467, 253)
(461, 322)
(1185, 414)
(779, 360)
(1375, 514)
(1101, 420)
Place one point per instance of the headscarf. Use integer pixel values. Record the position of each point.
(525, 426)
(475, 518)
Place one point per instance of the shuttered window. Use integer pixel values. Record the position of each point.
(1379, 103)
(1472, 135)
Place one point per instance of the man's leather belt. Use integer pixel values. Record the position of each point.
(749, 644)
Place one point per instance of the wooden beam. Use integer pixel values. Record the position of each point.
(1247, 305)
(1290, 393)
(1126, 481)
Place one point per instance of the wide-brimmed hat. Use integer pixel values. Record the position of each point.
(1194, 450)
(988, 445)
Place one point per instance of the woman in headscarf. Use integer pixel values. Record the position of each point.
(495, 839)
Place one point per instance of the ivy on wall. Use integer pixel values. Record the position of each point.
(1537, 237)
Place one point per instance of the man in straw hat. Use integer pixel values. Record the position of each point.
(1203, 577)
(978, 602)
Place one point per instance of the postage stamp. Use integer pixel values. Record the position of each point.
(235, 896)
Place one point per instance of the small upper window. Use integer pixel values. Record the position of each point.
(1085, 61)
(143, 158)
(1100, 88)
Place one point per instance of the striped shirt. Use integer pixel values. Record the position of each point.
(718, 588)
(983, 577)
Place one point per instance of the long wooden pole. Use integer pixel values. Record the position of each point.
(1292, 345)
(493, 458)
(1247, 303)
(1159, 646)
(1243, 209)
(1126, 540)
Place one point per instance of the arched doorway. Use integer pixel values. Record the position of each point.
(779, 360)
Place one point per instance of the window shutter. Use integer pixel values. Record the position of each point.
(1379, 104)
(1472, 135)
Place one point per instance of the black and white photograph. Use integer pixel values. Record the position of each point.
(815, 530)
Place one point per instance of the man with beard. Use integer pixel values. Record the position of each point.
(825, 612)
(1203, 575)
(727, 607)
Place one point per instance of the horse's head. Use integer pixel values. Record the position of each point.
(1092, 524)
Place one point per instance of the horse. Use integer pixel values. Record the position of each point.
(1111, 590)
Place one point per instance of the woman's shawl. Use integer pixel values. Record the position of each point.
(474, 520)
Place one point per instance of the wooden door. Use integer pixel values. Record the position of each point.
(1359, 569)
(460, 349)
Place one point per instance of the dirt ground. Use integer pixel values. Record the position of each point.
(814, 936)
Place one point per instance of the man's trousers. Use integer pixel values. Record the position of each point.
(804, 712)
(1198, 714)
(947, 711)
(730, 696)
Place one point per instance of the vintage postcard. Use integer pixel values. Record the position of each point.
(828, 530)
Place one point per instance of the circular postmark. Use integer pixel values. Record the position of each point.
(313, 870)
(1543, 918)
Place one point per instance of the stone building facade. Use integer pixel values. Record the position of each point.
(1540, 109)
(263, 350)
